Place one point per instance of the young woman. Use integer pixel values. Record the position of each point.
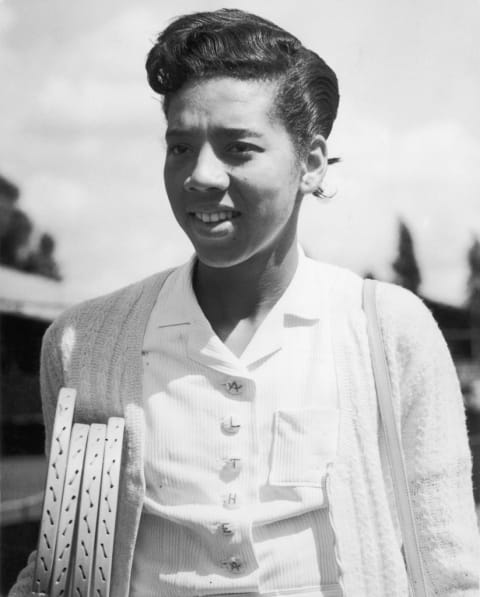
(253, 463)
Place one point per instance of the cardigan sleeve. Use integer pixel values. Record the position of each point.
(435, 442)
(51, 380)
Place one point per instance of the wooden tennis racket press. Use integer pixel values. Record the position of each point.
(77, 529)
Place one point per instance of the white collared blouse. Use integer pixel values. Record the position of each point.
(237, 450)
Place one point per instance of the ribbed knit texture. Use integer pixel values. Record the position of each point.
(96, 348)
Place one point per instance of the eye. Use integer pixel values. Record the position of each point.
(177, 149)
(238, 147)
(241, 148)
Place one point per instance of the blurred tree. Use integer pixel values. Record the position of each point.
(15, 237)
(41, 260)
(405, 266)
(8, 189)
(473, 295)
(8, 196)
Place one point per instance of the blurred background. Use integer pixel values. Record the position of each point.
(83, 209)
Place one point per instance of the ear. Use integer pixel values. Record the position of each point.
(314, 165)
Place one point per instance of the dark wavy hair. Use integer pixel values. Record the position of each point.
(234, 43)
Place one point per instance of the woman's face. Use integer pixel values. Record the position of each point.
(231, 172)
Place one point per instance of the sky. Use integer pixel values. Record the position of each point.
(81, 133)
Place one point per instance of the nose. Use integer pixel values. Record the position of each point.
(208, 173)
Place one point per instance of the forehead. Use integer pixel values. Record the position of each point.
(224, 103)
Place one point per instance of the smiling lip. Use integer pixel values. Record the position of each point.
(213, 217)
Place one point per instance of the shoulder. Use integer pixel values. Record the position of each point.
(400, 311)
(114, 306)
(408, 327)
(415, 347)
(393, 299)
(404, 316)
(342, 289)
(339, 280)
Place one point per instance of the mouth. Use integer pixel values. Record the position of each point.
(214, 217)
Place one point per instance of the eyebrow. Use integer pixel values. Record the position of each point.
(230, 133)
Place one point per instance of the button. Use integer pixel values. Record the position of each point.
(233, 564)
(233, 387)
(226, 528)
(231, 424)
(233, 464)
(231, 501)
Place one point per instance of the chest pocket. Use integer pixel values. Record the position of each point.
(304, 443)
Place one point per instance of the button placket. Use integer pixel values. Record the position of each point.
(231, 424)
(233, 464)
(233, 564)
(227, 529)
(231, 468)
(231, 500)
(234, 387)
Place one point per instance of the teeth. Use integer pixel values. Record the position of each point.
(218, 216)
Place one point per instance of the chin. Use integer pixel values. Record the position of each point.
(217, 262)
(219, 259)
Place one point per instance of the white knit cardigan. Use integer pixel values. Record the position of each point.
(96, 348)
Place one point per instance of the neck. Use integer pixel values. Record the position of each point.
(246, 291)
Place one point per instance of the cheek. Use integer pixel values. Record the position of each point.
(283, 172)
(173, 183)
(278, 187)
(270, 178)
